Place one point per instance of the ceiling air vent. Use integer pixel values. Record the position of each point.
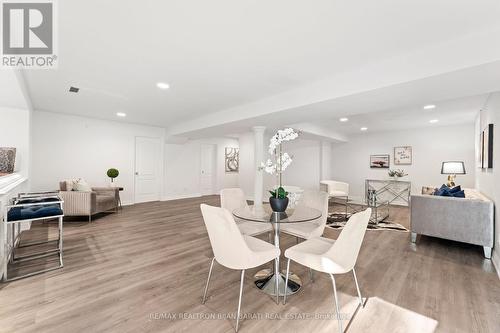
(74, 89)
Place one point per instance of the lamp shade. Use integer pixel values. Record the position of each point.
(453, 168)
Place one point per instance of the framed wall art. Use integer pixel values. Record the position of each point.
(232, 159)
(403, 155)
(379, 161)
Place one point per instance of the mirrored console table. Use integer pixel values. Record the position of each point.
(395, 192)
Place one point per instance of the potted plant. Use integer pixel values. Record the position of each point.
(112, 174)
(396, 174)
(279, 197)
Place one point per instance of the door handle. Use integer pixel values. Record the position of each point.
(136, 173)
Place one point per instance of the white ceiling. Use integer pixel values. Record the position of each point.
(221, 54)
(452, 112)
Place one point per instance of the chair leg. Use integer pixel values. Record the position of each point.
(208, 281)
(357, 288)
(286, 280)
(239, 301)
(339, 318)
(487, 252)
(413, 237)
(296, 240)
(311, 274)
(90, 218)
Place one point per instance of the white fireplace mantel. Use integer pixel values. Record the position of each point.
(10, 182)
(9, 186)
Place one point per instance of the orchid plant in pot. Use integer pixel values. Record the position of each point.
(277, 165)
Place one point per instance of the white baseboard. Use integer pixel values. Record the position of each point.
(180, 196)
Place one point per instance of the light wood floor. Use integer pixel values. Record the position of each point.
(127, 272)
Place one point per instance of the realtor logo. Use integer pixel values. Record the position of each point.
(28, 34)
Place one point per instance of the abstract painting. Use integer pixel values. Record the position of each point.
(379, 161)
(232, 159)
(7, 160)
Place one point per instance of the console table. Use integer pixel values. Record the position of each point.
(396, 192)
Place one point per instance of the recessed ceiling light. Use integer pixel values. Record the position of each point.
(364, 128)
(433, 121)
(344, 119)
(121, 114)
(163, 85)
(429, 107)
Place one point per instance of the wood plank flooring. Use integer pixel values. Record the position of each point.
(137, 270)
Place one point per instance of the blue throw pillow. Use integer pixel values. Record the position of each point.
(443, 191)
(459, 194)
(455, 189)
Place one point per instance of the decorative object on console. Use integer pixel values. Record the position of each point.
(452, 168)
(397, 173)
(403, 155)
(232, 159)
(379, 161)
(487, 147)
(7, 160)
(112, 174)
(279, 197)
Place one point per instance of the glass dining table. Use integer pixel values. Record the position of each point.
(266, 279)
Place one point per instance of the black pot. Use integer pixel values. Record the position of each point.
(278, 205)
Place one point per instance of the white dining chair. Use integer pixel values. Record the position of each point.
(306, 230)
(232, 249)
(333, 256)
(337, 190)
(234, 198)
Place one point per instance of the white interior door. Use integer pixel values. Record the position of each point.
(207, 169)
(147, 169)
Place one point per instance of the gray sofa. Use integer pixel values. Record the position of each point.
(468, 220)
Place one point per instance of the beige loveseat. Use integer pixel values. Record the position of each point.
(99, 200)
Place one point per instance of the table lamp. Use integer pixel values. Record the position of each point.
(452, 168)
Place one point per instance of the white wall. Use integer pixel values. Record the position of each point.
(182, 168)
(15, 132)
(67, 147)
(15, 122)
(431, 146)
(487, 180)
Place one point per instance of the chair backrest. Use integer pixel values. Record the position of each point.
(317, 200)
(344, 252)
(333, 185)
(232, 199)
(230, 249)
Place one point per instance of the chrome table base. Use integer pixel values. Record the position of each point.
(265, 281)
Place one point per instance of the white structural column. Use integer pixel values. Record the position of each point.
(258, 158)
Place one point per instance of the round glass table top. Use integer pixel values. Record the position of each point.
(265, 214)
